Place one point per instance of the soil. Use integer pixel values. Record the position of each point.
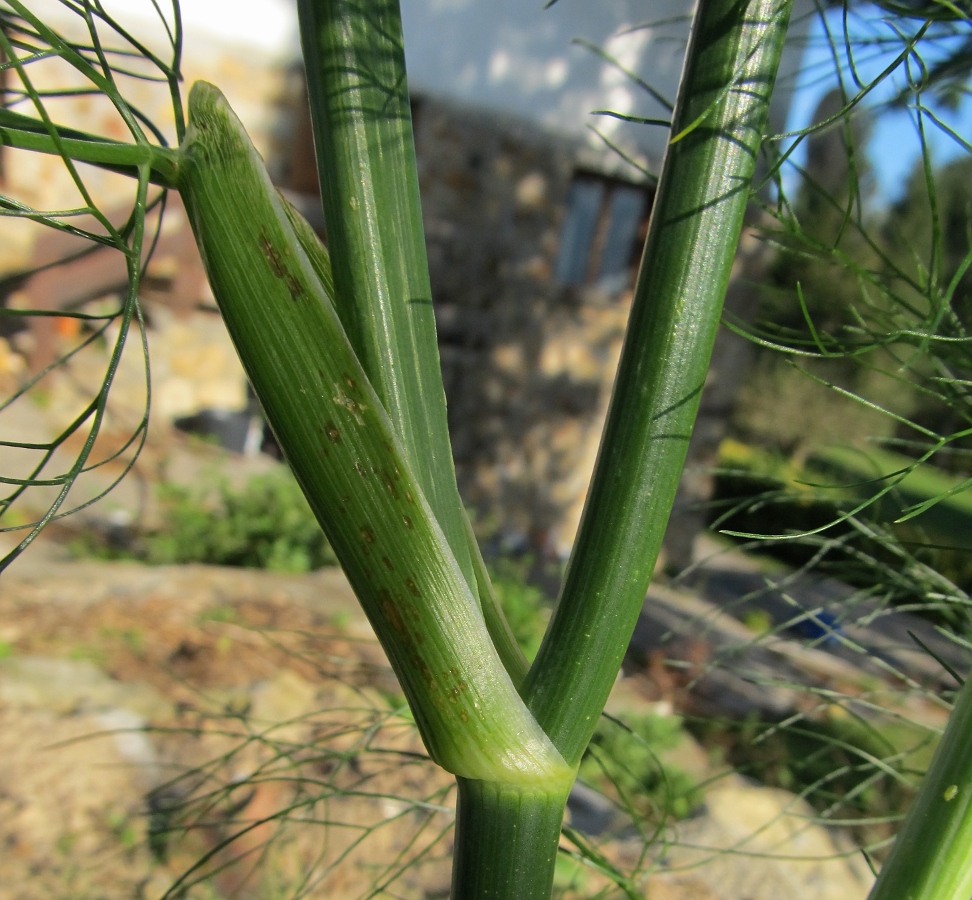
(152, 717)
(205, 732)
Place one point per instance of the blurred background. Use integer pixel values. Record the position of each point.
(810, 610)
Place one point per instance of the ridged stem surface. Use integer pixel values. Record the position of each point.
(932, 855)
(724, 94)
(506, 841)
(356, 83)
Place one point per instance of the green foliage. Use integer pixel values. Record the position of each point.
(266, 524)
(633, 763)
(929, 235)
(873, 303)
(786, 407)
(757, 492)
(910, 227)
(524, 606)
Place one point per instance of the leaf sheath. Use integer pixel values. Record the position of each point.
(349, 461)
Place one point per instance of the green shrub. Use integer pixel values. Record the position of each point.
(524, 605)
(266, 524)
(757, 492)
(830, 761)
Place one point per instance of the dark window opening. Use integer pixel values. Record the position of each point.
(602, 232)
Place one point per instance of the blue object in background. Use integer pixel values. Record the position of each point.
(822, 627)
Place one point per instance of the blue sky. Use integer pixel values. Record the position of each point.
(894, 146)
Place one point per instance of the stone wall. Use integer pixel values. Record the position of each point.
(528, 362)
(252, 79)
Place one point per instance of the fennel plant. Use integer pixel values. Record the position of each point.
(339, 344)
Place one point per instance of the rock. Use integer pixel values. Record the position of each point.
(282, 705)
(67, 687)
(71, 821)
(762, 843)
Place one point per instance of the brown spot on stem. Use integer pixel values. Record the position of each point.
(407, 521)
(412, 587)
(367, 535)
(294, 286)
(393, 616)
(389, 484)
(388, 564)
(270, 254)
(333, 435)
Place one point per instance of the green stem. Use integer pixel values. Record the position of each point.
(703, 190)
(349, 461)
(506, 841)
(358, 93)
(932, 854)
(26, 133)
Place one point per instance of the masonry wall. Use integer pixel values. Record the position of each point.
(527, 361)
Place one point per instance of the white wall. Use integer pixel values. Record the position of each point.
(516, 56)
(508, 55)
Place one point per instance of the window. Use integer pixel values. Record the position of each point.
(602, 232)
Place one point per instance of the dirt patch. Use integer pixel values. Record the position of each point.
(209, 733)
(153, 720)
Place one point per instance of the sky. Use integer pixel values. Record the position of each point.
(894, 146)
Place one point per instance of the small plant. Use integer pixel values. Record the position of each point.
(828, 761)
(524, 605)
(635, 763)
(266, 524)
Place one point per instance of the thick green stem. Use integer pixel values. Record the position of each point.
(730, 67)
(506, 841)
(359, 101)
(350, 462)
(932, 854)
